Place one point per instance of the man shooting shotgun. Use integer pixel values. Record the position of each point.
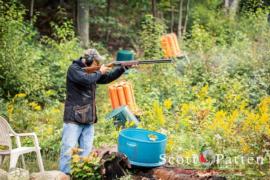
(80, 106)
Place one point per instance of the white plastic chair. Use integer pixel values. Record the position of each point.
(6, 132)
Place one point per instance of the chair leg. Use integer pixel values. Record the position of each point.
(23, 162)
(1, 159)
(13, 161)
(39, 161)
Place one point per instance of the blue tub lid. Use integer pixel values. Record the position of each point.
(163, 136)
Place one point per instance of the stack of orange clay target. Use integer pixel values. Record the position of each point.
(122, 94)
(170, 46)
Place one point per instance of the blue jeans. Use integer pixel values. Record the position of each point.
(74, 135)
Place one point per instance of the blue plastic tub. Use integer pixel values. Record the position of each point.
(142, 147)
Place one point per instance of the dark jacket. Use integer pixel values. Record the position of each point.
(80, 106)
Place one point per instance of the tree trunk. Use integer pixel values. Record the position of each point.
(186, 19)
(180, 18)
(172, 16)
(227, 3)
(74, 13)
(226, 6)
(32, 11)
(154, 8)
(233, 7)
(108, 16)
(83, 22)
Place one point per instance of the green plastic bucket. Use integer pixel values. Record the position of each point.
(124, 55)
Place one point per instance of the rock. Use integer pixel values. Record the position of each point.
(3, 175)
(167, 174)
(49, 175)
(18, 174)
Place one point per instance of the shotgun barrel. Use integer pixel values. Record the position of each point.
(137, 62)
(127, 63)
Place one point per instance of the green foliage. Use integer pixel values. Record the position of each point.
(201, 39)
(30, 66)
(20, 55)
(251, 5)
(151, 32)
(58, 55)
(85, 167)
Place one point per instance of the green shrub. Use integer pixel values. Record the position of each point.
(59, 52)
(20, 55)
(251, 5)
(150, 34)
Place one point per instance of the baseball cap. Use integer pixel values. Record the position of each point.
(94, 52)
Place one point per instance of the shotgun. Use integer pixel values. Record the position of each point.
(92, 69)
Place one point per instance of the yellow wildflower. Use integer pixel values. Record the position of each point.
(168, 104)
(220, 115)
(86, 159)
(223, 124)
(188, 153)
(244, 146)
(264, 105)
(35, 106)
(209, 101)
(203, 92)
(170, 145)
(233, 117)
(50, 130)
(268, 131)
(55, 110)
(20, 95)
(10, 109)
(250, 122)
(76, 151)
(129, 123)
(264, 118)
(185, 108)
(158, 113)
(243, 105)
(36, 129)
(76, 158)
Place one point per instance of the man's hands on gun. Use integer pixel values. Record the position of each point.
(104, 69)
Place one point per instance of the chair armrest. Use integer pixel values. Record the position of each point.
(33, 135)
(18, 135)
(26, 134)
(13, 134)
(22, 134)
